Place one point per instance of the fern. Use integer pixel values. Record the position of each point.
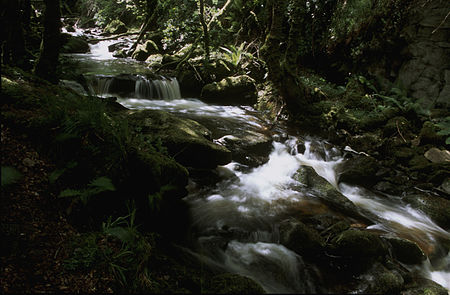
(444, 127)
(10, 176)
(98, 185)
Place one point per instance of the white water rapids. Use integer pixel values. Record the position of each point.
(248, 203)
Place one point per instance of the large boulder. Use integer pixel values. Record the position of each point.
(74, 44)
(406, 251)
(300, 238)
(329, 194)
(143, 51)
(249, 148)
(186, 140)
(359, 249)
(240, 90)
(115, 27)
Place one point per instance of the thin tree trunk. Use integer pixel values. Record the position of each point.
(205, 31)
(149, 20)
(50, 45)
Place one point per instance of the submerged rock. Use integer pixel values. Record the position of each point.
(186, 140)
(438, 209)
(143, 51)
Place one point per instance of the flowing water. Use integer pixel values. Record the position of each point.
(235, 221)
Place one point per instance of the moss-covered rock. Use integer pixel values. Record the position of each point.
(438, 209)
(406, 251)
(300, 238)
(232, 90)
(186, 140)
(74, 44)
(429, 134)
(379, 280)
(361, 170)
(115, 27)
(143, 51)
(421, 286)
(232, 284)
(358, 248)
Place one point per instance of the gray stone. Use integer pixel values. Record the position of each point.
(436, 155)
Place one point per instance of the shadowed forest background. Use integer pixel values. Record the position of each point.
(118, 134)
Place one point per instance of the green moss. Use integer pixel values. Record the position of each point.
(232, 284)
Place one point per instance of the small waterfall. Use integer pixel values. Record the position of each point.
(137, 86)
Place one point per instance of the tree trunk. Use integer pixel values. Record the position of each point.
(282, 66)
(205, 31)
(150, 18)
(50, 45)
(13, 41)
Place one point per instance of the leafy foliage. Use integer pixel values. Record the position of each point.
(444, 126)
(10, 175)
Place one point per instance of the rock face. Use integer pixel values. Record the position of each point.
(239, 90)
(186, 140)
(426, 73)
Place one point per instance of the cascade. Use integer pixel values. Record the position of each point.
(137, 86)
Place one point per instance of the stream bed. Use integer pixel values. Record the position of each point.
(236, 220)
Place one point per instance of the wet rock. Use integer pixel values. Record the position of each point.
(250, 148)
(436, 155)
(388, 188)
(445, 186)
(186, 140)
(406, 251)
(358, 248)
(115, 27)
(379, 280)
(438, 209)
(120, 53)
(74, 44)
(117, 46)
(300, 238)
(232, 284)
(420, 286)
(154, 60)
(361, 170)
(240, 90)
(328, 193)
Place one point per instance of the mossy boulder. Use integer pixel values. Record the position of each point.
(116, 27)
(143, 51)
(300, 238)
(74, 44)
(438, 209)
(232, 284)
(429, 134)
(379, 280)
(406, 251)
(358, 248)
(240, 90)
(421, 286)
(361, 170)
(186, 140)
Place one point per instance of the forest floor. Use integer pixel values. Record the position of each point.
(34, 229)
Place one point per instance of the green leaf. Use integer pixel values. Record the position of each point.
(102, 184)
(70, 193)
(126, 235)
(10, 175)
